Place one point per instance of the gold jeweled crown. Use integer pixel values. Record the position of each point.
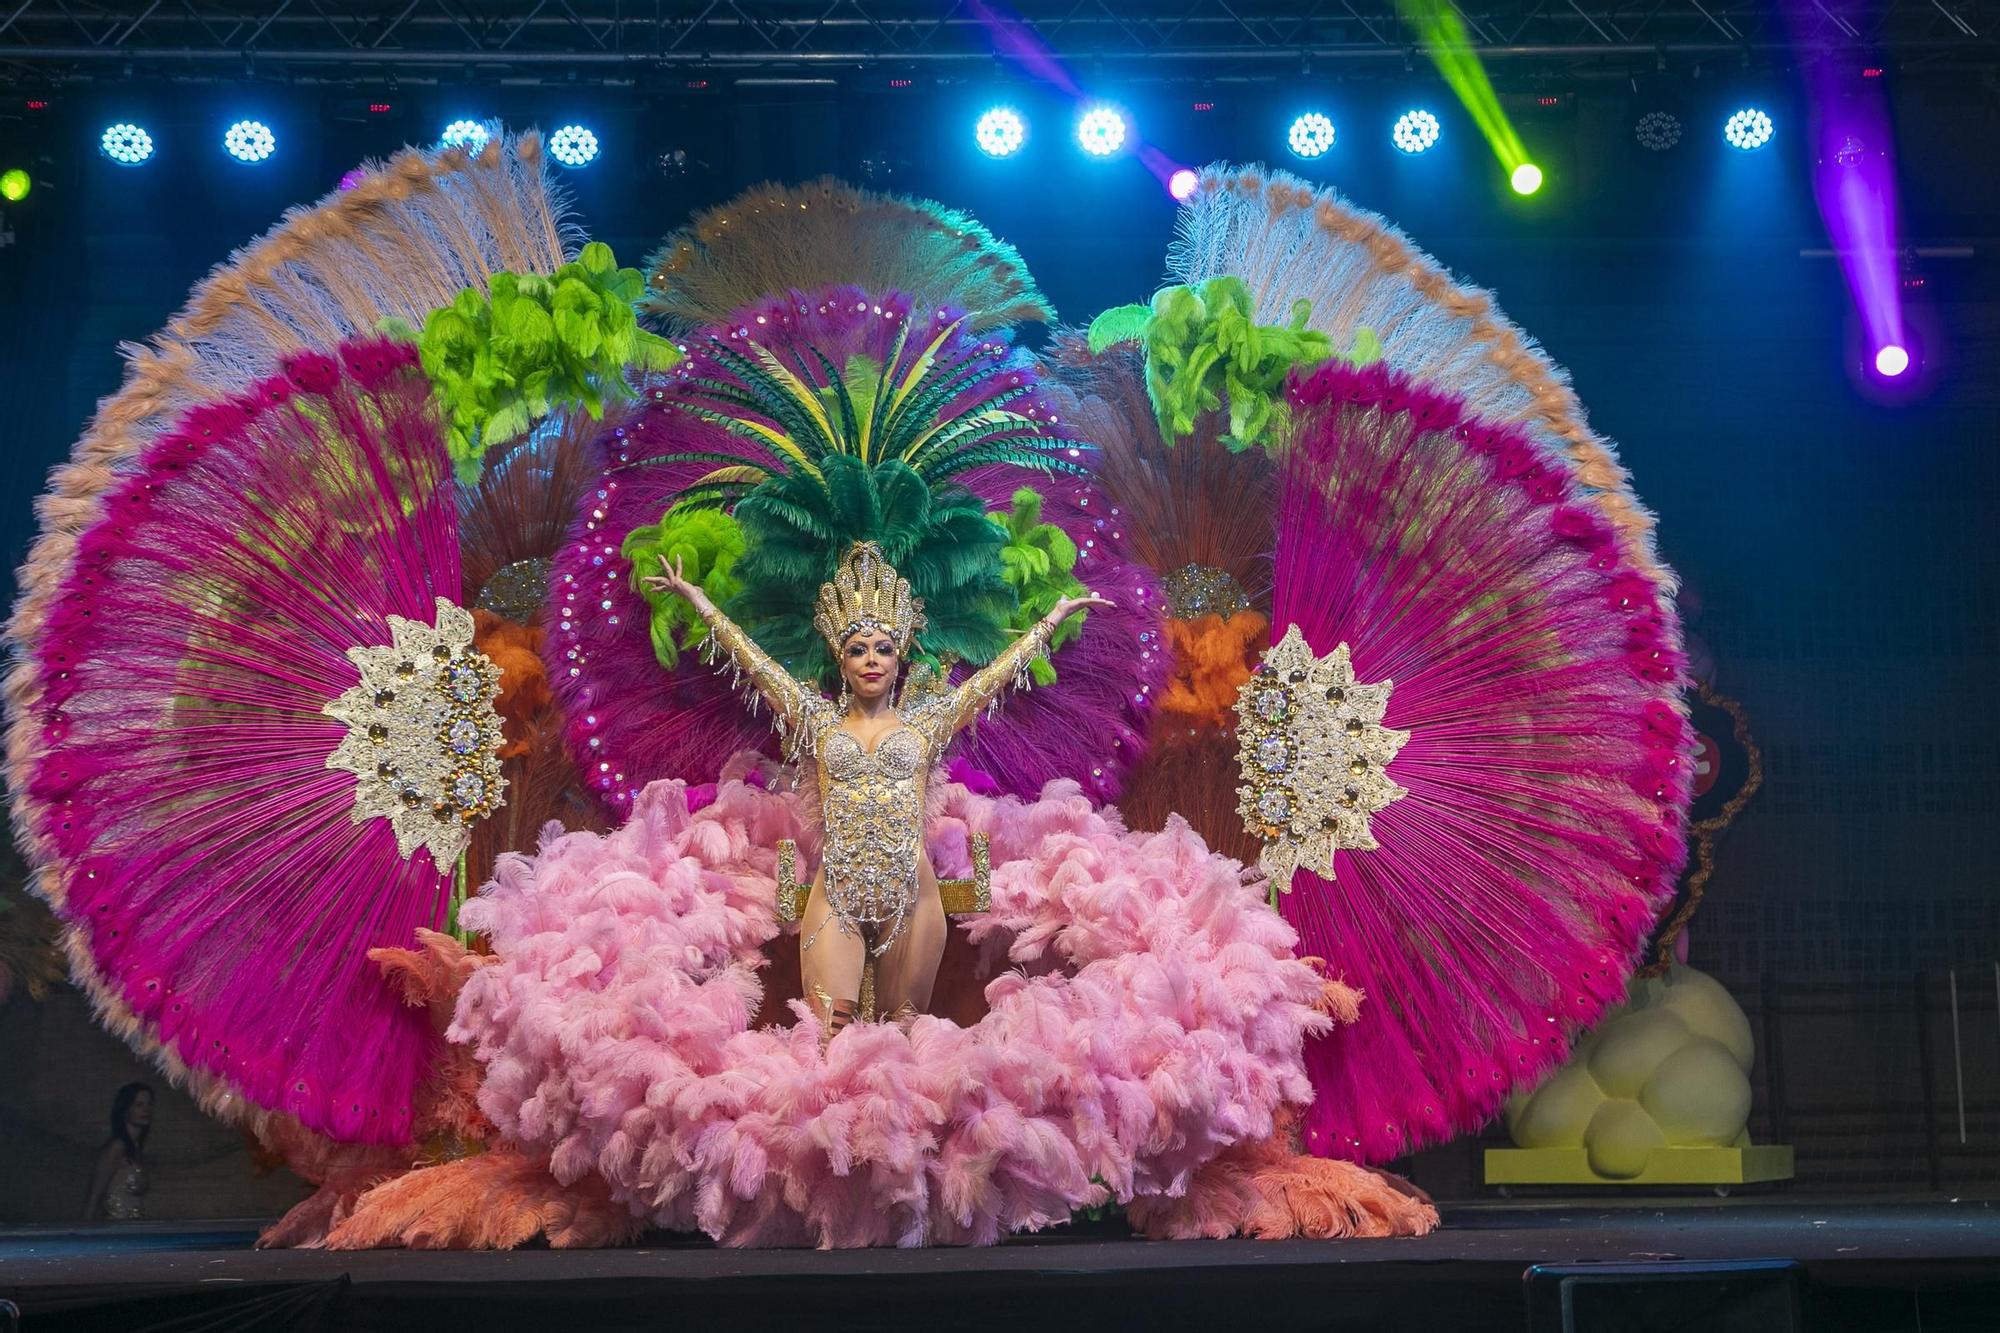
(867, 593)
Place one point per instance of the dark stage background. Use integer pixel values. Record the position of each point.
(1839, 546)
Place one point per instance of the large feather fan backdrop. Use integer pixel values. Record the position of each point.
(187, 809)
(1289, 240)
(1536, 670)
(1189, 503)
(820, 419)
(1197, 516)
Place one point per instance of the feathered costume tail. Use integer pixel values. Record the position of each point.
(1547, 770)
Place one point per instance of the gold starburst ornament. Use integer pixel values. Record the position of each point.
(1314, 756)
(423, 735)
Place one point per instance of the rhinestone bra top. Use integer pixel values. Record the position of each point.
(872, 801)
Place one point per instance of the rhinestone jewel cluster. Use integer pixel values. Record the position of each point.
(1197, 590)
(1314, 755)
(518, 590)
(423, 737)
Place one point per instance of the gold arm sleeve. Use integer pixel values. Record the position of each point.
(802, 712)
(982, 688)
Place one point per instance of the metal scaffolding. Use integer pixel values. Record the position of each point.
(601, 41)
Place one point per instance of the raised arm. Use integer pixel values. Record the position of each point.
(802, 711)
(1010, 666)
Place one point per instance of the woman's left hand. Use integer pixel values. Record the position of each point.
(1069, 606)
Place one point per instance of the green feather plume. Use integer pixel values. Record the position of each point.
(1038, 563)
(501, 359)
(1205, 351)
(709, 543)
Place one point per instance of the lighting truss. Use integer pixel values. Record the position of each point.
(617, 41)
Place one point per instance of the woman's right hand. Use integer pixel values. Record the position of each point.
(672, 580)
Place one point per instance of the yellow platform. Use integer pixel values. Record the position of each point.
(1666, 1166)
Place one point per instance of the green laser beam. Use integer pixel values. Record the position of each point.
(1441, 31)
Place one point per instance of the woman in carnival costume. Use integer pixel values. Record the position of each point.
(873, 754)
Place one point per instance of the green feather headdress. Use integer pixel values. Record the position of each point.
(859, 422)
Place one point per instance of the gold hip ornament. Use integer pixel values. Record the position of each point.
(1314, 756)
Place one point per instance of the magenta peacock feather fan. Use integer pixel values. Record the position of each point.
(232, 805)
(1527, 830)
(817, 419)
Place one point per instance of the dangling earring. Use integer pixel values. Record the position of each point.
(846, 697)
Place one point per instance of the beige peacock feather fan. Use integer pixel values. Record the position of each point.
(1288, 239)
(776, 238)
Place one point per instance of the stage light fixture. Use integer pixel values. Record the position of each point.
(573, 146)
(467, 134)
(249, 141)
(1657, 131)
(1182, 184)
(1101, 131)
(1748, 129)
(1527, 178)
(14, 185)
(1416, 132)
(126, 144)
(1892, 361)
(1311, 135)
(1000, 131)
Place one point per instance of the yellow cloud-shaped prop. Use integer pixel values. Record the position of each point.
(1668, 1072)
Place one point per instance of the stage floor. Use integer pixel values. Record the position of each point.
(1877, 1266)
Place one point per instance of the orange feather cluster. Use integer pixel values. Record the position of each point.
(542, 782)
(1267, 1190)
(525, 698)
(1212, 658)
(497, 1200)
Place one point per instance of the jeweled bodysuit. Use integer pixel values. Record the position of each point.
(872, 801)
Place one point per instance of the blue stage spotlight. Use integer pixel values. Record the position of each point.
(1311, 135)
(573, 146)
(126, 144)
(1415, 132)
(1101, 131)
(249, 141)
(1000, 132)
(1183, 183)
(1748, 129)
(467, 134)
